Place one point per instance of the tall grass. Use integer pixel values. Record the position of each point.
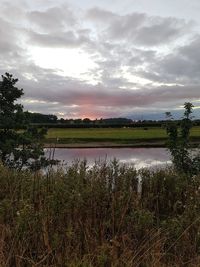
(96, 216)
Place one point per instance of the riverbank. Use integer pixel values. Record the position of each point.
(105, 145)
(139, 144)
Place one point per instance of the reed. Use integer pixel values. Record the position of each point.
(96, 216)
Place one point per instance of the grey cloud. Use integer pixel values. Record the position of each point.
(181, 66)
(12, 11)
(64, 39)
(139, 28)
(53, 27)
(112, 81)
(60, 39)
(139, 57)
(8, 34)
(120, 60)
(163, 31)
(12, 53)
(148, 31)
(75, 98)
(52, 19)
(125, 27)
(67, 92)
(100, 15)
(49, 107)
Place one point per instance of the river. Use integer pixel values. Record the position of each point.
(140, 157)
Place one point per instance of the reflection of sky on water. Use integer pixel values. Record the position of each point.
(140, 157)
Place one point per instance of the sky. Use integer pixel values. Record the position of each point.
(102, 58)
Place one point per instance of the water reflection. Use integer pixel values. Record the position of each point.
(140, 157)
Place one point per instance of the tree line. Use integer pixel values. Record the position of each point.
(52, 121)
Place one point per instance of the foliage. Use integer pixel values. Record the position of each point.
(95, 216)
(17, 148)
(184, 159)
(40, 118)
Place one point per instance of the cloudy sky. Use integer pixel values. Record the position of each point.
(102, 58)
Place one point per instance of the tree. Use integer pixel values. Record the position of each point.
(20, 144)
(179, 145)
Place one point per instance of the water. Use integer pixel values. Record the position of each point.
(140, 157)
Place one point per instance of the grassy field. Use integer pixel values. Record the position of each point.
(115, 135)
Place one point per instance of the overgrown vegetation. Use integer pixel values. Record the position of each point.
(97, 217)
(183, 157)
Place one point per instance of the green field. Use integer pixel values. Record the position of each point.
(114, 135)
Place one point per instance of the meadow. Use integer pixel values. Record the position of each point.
(115, 135)
(85, 217)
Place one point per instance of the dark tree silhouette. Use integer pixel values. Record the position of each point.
(183, 158)
(20, 144)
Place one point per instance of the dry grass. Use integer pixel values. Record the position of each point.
(96, 217)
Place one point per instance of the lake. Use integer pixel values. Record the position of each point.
(140, 157)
